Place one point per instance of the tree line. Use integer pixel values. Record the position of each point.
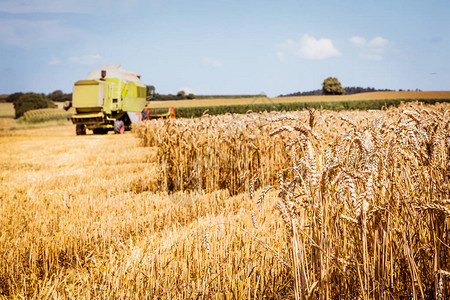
(24, 102)
(332, 86)
(55, 96)
(348, 91)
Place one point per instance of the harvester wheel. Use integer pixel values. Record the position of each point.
(119, 127)
(81, 129)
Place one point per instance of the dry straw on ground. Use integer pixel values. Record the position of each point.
(81, 218)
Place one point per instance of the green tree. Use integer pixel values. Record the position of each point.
(332, 86)
(57, 96)
(181, 95)
(150, 91)
(28, 102)
(13, 97)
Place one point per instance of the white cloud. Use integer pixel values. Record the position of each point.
(35, 33)
(60, 6)
(281, 56)
(89, 59)
(213, 63)
(371, 50)
(378, 42)
(310, 48)
(368, 56)
(42, 6)
(71, 6)
(358, 41)
(54, 61)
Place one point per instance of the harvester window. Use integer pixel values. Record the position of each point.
(131, 89)
(141, 92)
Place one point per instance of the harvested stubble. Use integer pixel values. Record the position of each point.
(79, 219)
(363, 195)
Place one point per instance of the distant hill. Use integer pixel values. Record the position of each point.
(348, 91)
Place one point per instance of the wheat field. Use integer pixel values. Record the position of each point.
(305, 205)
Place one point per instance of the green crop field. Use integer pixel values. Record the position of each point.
(335, 98)
(363, 101)
(46, 114)
(46, 117)
(6, 110)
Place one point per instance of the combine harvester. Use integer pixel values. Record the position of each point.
(110, 99)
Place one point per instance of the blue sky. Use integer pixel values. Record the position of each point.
(227, 47)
